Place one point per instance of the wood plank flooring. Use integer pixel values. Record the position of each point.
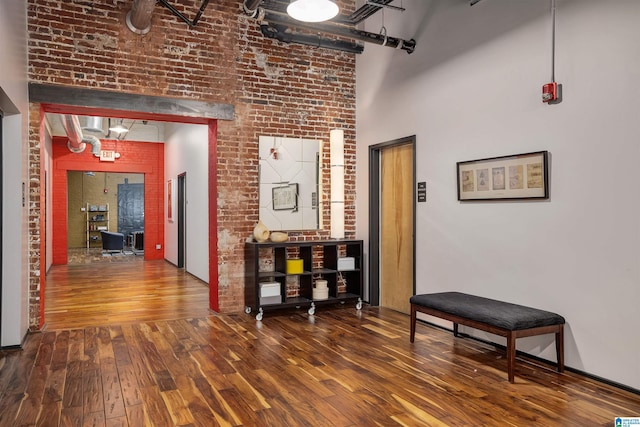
(103, 293)
(340, 367)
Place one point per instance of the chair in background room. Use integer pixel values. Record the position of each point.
(112, 242)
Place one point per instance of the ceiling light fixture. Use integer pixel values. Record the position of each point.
(119, 128)
(312, 10)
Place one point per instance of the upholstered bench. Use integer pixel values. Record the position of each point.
(501, 318)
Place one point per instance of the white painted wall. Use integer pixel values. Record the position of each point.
(186, 150)
(471, 90)
(13, 88)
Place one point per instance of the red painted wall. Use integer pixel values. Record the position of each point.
(135, 157)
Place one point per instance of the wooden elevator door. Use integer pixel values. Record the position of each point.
(396, 227)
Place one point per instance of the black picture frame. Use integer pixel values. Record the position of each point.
(285, 198)
(518, 176)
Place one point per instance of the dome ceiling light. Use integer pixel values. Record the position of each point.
(312, 10)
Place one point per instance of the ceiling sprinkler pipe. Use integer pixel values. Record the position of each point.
(346, 31)
(139, 17)
(310, 40)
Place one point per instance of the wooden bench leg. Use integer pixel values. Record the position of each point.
(560, 348)
(511, 356)
(413, 323)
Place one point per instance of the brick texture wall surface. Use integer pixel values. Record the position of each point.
(277, 89)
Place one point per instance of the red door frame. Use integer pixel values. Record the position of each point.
(213, 200)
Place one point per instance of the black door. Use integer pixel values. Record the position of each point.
(182, 208)
(130, 208)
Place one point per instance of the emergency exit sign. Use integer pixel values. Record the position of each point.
(107, 156)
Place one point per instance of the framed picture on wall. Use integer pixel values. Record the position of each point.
(285, 197)
(519, 176)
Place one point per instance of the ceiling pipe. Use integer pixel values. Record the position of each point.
(92, 124)
(95, 144)
(273, 24)
(139, 17)
(279, 33)
(77, 142)
(345, 31)
(73, 130)
(252, 7)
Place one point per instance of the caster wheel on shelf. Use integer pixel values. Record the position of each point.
(259, 316)
(312, 309)
(247, 310)
(359, 304)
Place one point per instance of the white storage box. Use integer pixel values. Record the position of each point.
(346, 263)
(269, 289)
(270, 300)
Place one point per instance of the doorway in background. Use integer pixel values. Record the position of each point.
(131, 213)
(392, 223)
(109, 201)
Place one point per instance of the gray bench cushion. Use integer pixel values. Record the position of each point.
(512, 317)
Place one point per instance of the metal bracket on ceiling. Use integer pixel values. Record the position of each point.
(388, 6)
(176, 12)
(472, 2)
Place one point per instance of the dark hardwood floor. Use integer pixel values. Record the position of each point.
(340, 367)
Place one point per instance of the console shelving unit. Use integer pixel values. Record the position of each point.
(320, 260)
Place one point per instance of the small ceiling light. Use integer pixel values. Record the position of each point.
(119, 128)
(312, 10)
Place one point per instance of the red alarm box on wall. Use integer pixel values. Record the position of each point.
(549, 92)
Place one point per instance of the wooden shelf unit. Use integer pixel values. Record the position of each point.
(320, 260)
(97, 221)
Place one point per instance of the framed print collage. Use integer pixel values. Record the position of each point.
(519, 176)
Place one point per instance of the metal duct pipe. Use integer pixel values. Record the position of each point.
(345, 31)
(73, 130)
(92, 124)
(95, 144)
(251, 7)
(77, 142)
(139, 17)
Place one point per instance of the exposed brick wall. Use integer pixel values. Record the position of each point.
(277, 89)
(36, 220)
